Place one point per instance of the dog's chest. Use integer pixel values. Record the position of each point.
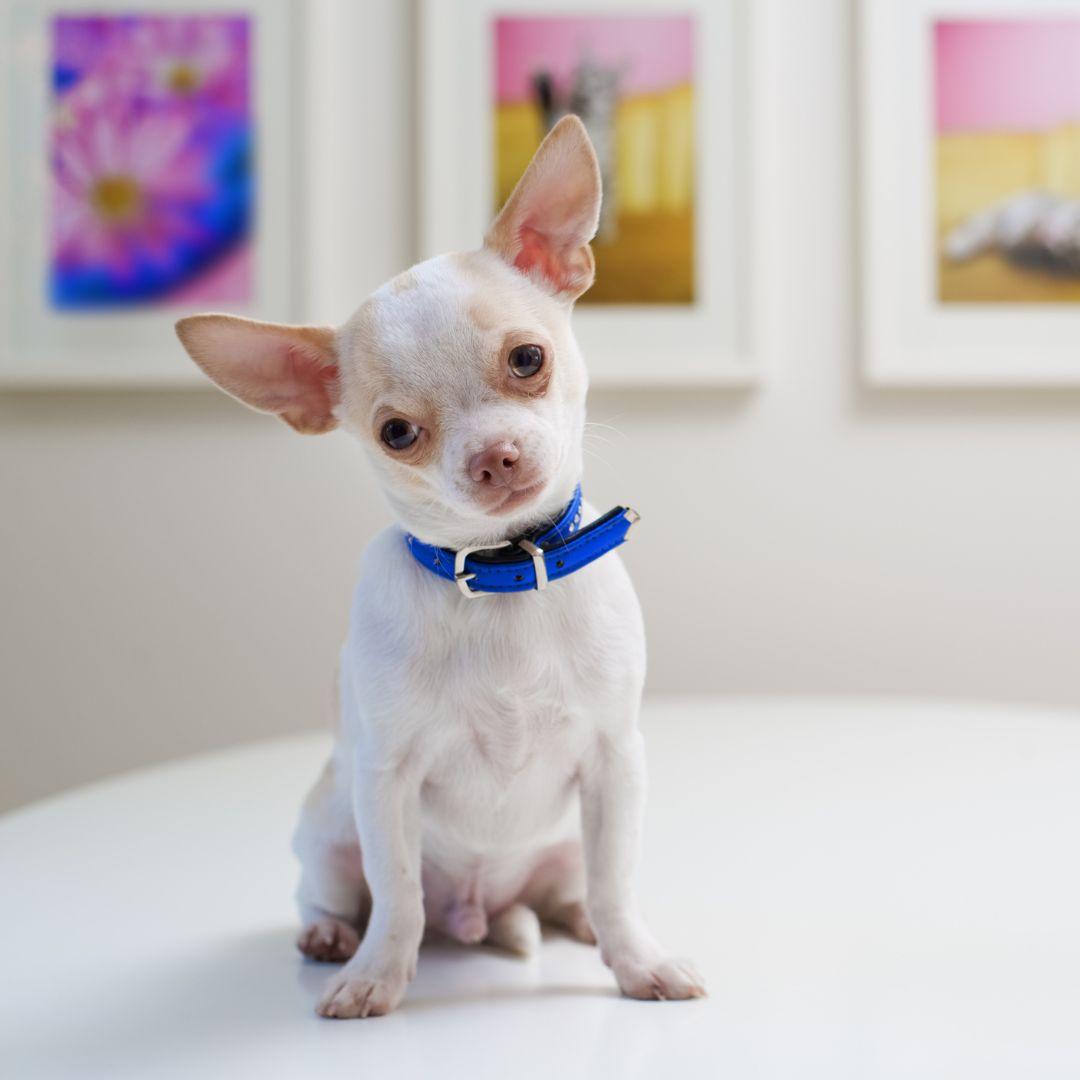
(506, 772)
(510, 700)
(502, 733)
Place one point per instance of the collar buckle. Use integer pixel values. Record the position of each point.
(462, 576)
(538, 562)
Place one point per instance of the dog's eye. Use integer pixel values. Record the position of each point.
(526, 360)
(399, 434)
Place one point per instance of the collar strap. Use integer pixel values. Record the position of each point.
(530, 561)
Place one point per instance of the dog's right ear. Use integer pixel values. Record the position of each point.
(289, 371)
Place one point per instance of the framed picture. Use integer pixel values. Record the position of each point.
(667, 97)
(970, 133)
(140, 181)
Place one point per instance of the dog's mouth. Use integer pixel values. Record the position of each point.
(515, 499)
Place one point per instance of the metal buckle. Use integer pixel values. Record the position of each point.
(538, 563)
(632, 516)
(461, 576)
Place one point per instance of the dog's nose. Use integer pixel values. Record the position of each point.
(494, 464)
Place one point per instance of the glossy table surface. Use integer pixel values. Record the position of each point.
(871, 889)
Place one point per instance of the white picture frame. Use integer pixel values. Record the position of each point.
(909, 337)
(716, 339)
(132, 346)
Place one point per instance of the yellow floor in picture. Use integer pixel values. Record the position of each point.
(991, 279)
(652, 262)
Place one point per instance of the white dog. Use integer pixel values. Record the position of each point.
(476, 731)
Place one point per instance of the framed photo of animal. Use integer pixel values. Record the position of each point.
(670, 102)
(971, 192)
(137, 181)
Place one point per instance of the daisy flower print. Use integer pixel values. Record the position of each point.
(150, 161)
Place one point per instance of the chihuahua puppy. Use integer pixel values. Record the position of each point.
(488, 773)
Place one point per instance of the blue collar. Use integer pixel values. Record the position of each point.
(531, 561)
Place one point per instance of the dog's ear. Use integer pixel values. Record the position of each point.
(289, 371)
(546, 225)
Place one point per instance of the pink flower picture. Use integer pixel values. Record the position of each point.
(150, 141)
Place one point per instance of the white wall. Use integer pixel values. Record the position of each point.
(175, 571)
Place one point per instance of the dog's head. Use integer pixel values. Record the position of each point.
(461, 376)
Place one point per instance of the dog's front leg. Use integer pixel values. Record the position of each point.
(387, 807)
(612, 803)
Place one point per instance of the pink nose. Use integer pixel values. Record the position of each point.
(494, 464)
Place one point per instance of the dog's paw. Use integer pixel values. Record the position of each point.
(517, 930)
(667, 979)
(330, 940)
(359, 993)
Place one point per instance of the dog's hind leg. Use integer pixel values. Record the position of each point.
(556, 891)
(333, 897)
(571, 917)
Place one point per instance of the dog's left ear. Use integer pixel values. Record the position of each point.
(546, 225)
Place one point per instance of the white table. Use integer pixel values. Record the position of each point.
(872, 890)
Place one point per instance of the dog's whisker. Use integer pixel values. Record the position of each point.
(598, 457)
(606, 426)
(598, 438)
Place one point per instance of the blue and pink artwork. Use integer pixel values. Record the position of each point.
(150, 161)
